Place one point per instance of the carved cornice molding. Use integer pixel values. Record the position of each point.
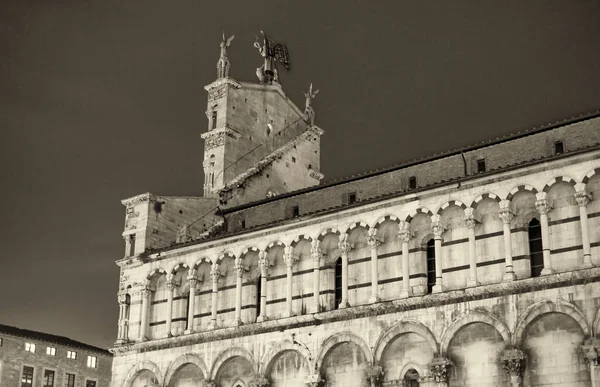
(130, 262)
(223, 81)
(146, 197)
(315, 175)
(573, 278)
(217, 132)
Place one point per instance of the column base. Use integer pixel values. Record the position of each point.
(471, 283)
(405, 293)
(142, 339)
(547, 271)
(169, 334)
(438, 288)
(213, 325)
(374, 299)
(343, 304)
(237, 322)
(509, 276)
(261, 318)
(188, 331)
(587, 261)
(287, 314)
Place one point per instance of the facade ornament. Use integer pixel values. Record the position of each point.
(272, 53)
(223, 63)
(591, 351)
(259, 382)
(440, 369)
(316, 253)
(513, 361)
(372, 239)
(506, 215)
(210, 383)
(343, 244)
(404, 233)
(288, 257)
(437, 227)
(193, 282)
(144, 292)
(470, 220)
(375, 375)
(582, 198)
(239, 268)
(308, 109)
(215, 274)
(122, 298)
(263, 263)
(314, 380)
(171, 284)
(542, 204)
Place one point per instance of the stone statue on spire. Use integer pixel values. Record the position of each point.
(272, 52)
(223, 63)
(308, 110)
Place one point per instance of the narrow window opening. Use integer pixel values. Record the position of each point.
(295, 211)
(243, 224)
(293, 159)
(559, 147)
(90, 383)
(430, 265)
(480, 165)
(352, 198)
(214, 119)
(338, 283)
(258, 295)
(27, 378)
(131, 244)
(412, 182)
(309, 166)
(536, 255)
(70, 380)
(48, 378)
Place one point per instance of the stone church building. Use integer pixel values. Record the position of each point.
(476, 267)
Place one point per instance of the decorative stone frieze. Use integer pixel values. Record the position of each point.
(513, 361)
(440, 368)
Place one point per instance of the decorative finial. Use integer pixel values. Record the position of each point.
(272, 52)
(223, 63)
(308, 110)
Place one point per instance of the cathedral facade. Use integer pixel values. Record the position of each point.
(477, 267)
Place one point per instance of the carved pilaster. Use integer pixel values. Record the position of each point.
(513, 361)
(440, 369)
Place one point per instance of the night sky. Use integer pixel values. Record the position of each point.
(103, 100)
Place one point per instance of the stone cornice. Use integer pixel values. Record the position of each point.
(572, 278)
(225, 130)
(131, 262)
(223, 81)
(145, 197)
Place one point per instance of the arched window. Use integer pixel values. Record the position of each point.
(430, 265)
(127, 306)
(258, 295)
(411, 378)
(536, 255)
(338, 282)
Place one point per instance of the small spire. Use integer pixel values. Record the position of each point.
(223, 63)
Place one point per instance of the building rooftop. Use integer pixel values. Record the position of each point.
(47, 337)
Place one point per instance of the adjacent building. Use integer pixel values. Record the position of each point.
(35, 359)
(476, 267)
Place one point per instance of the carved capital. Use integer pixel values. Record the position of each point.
(239, 269)
(582, 198)
(289, 258)
(591, 351)
(316, 254)
(374, 375)
(405, 235)
(343, 244)
(193, 282)
(374, 241)
(259, 382)
(215, 274)
(513, 361)
(506, 215)
(144, 293)
(440, 369)
(122, 298)
(543, 206)
(438, 229)
(263, 263)
(171, 284)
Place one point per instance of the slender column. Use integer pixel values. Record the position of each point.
(405, 234)
(344, 247)
(583, 199)
(438, 228)
(507, 216)
(214, 276)
(471, 222)
(127, 239)
(513, 361)
(239, 271)
(170, 287)
(122, 299)
(144, 294)
(543, 206)
(289, 260)
(263, 264)
(316, 255)
(591, 349)
(374, 241)
(192, 303)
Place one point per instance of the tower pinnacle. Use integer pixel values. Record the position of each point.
(223, 63)
(308, 110)
(272, 52)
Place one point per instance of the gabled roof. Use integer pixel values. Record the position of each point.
(49, 338)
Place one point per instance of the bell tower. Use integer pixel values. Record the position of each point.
(258, 141)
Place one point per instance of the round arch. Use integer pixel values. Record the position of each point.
(188, 358)
(224, 255)
(274, 244)
(406, 326)
(338, 338)
(177, 266)
(469, 318)
(590, 174)
(413, 365)
(544, 307)
(449, 204)
(556, 180)
(139, 367)
(482, 197)
(519, 188)
(273, 352)
(301, 238)
(354, 225)
(228, 354)
(247, 250)
(415, 212)
(385, 218)
(200, 261)
(330, 230)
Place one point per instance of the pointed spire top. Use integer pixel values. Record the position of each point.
(223, 63)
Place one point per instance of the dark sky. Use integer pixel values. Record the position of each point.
(103, 100)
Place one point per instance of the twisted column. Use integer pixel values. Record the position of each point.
(144, 294)
(344, 247)
(316, 255)
(507, 216)
(374, 241)
(192, 303)
(583, 199)
(263, 265)
(471, 222)
(438, 229)
(290, 260)
(239, 274)
(543, 206)
(214, 276)
(405, 235)
(170, 288)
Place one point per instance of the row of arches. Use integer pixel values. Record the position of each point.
(550, 334)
